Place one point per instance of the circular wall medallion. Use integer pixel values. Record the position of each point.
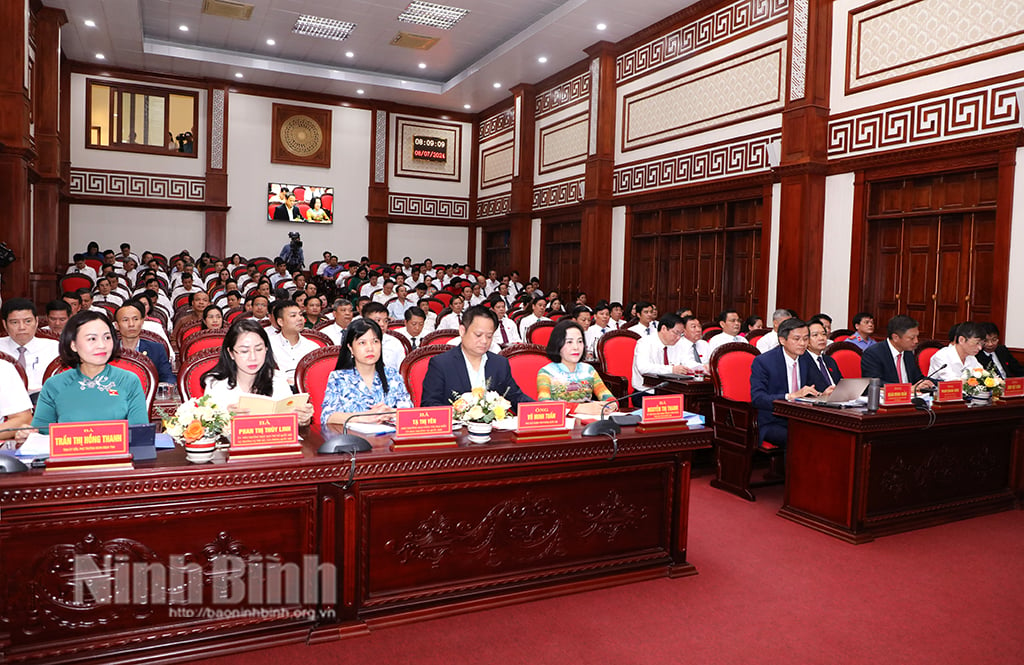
(301, 136)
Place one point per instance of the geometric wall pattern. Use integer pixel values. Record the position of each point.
(556, 194)
(428, 206)
(563, 144)
(745, 85)
(497, 123)
(699, 35)
(156, 187)
(738, 157)
(567, 93)
(217, 129)
(493, 206)
(899, 38)
(925, 121)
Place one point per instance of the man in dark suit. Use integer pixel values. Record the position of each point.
(287, 212)
(894, 361)
(785, 372)
(470, 365)
(827, 367)
(996, 355)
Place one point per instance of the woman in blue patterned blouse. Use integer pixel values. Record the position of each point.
(566, 378)
(360, 381)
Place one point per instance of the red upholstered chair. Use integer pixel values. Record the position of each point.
(19, 368)
(142, 367)
(847, 356)
(737, 437)
(525, 361)
(75, 281)
(180, 301)
(190, 374)
(320, 338)
(840, 334)
(710, 332)
(327, 201)
(540, 332)
(270, 210)
(300, 193)
(436, 305)
(95, 264)
(925, 351)
(439, 337)
(754, 335)
(615, 356)
(323, 324)
(445, 297)
(414, 368)
(204, 339)
(188, 329)
(46, 334)
(232, 314)
(311, 377)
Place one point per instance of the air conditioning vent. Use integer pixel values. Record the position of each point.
(228, 9)
(417, 42)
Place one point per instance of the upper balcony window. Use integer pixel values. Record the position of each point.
(132, 118)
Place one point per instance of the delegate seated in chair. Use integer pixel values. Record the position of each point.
(785, 372)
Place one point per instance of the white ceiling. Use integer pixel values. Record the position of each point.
(497, 42)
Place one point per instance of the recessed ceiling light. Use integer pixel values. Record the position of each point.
(602, 26)
(423, 65)
(327, 28)
(239, 75)
(497, 85)
(183, 28)
(270, 42)
(360, 91)
(428, 13)
(100, 56)
(542, 59)
(445, 117)
(467, 106)
(349, 54)
(89, 23)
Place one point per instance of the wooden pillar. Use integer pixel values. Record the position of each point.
(804, 158)
(15, 147)
(521, 209)
(379, 190)
(596, 228)
(217, 169)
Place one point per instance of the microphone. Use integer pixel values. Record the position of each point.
(350, 443)
(610, 427)
(930, 377)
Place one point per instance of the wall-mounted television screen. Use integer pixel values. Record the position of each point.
(300, 203)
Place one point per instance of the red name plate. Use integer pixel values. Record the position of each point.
(897, 393)
(950, 391)
(84, 441)
(539, 416)
(1014, 387)
(262, 431)
(425, 422)
(662, 408)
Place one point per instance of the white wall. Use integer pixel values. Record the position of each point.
(836, 250)
(442, 244)
(250, 169)
(158, 230)
(1014, 333)
(773, 258)
(618, 252)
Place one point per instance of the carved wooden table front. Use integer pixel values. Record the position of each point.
(172, 561)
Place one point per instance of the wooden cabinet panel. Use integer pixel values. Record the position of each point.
(980, 303)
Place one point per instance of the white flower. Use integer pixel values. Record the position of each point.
(475, 413)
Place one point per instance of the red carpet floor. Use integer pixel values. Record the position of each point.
(768, 591)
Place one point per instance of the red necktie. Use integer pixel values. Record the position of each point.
(665, 350)
(899, 367)
(795, 379)
(504, 335)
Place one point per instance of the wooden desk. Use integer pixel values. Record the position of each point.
(855, 475)
(418, 533)
(696, 394)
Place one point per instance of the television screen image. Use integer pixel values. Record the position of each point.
(300, 203)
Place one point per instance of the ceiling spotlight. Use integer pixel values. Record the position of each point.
(89, 23)
(497, 85)
(360, 91)
(467, 106)
(100, 56)
(542, 59)
(602, 26)
(238, 75)
(349, 54)
(183, 28)
(423, 65)
(270, 42)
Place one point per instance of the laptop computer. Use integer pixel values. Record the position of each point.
(847, 393)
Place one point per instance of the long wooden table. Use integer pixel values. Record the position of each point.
(696, 394)
(416, 534)
(856, 475)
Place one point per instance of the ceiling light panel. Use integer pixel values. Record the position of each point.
(428, 13)
(326, 28)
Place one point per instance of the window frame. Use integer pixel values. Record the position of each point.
(119, 88)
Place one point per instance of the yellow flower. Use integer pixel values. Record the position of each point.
(990, 382)
(499, 413)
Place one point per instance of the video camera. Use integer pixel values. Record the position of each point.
(7, 256)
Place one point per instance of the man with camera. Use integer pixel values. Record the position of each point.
(292, 252)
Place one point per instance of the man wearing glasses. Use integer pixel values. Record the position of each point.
(660, 353)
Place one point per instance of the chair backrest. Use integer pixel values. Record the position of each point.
(615, 354)
(710, 332)
(181, 301)
(191, 371)
(925, 351)
(840, 334)
(540, 332)
(525, 361)
(46, 334)
(414, 368)
(153, 337)
(231, 315)
(140, 365)
(75, 281)
(320, 338)
(847, 356)
(311, 377)
(436, 306)
(19, 368)
(439, 337)
(755, 334)
(406, 344)
(730, 370)
(187, 329)
(444, 296)
(204, 339)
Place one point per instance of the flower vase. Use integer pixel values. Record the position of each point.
(981, 396)
(479, 432)
(201, 450)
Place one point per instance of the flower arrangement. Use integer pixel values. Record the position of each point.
(195, 419)
(982, 383)
(480, 406)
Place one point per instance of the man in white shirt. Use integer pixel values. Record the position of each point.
(492, 283)
(280, 273)
(507, 332)
(371, 286)
(398, 308)
(15, 404)
(430, 325)
(599, 326)
(187, 286)
(33, 353)
(57, 314)
(288, 344)
(386, 293)
(476, 296)
(770, 340)
(413, 330)
(126, 253)
(105, 294)
(391, 349)
(949, 363)
(695, 351)
(659, 353)
(81, 268)
(646, 326)
(729, 321)
(538, 308)
(342, 317)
